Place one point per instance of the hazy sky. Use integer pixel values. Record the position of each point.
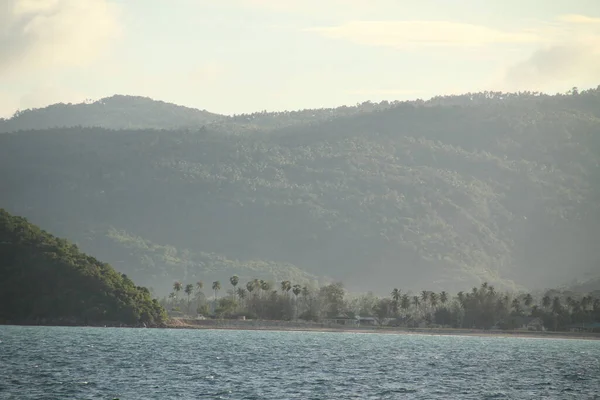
(233, 56)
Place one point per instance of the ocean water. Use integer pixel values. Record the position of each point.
(107, 363)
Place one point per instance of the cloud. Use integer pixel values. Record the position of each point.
(402, 34)
(578, 19)
(570, 57)
(37, 34)
(568, 64)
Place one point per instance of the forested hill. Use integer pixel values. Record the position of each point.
(442, 194)
(44, 279)
(116, 112)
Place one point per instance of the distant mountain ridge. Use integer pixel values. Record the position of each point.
(115, 112)
(443, 194)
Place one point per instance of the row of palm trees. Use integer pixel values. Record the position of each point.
(481, 307)
(484, 307)
(254, 287)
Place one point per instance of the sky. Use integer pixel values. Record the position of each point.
(238, 56)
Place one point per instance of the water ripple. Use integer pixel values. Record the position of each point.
(86, 363)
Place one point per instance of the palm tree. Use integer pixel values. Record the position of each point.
(461, 298)
(396, 295)
(216, 286)
(491, 290)
(189, 289)
(433, 299)
(265, 286)
(416, 302)
(516, 305)
(286, 286)
(258, 285)
(305, 291)
(528, 299)
(405, 302)
(296, 290)
(250, 286)
(556, 306)
(234, 280)
(241, 294)
(546, 301)
(535, 310)
(585, 302)
(443, 297)
(177, 286)
(556, 310)
(569, 301)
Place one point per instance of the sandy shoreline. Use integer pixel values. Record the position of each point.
(287, 326)
(280, 327)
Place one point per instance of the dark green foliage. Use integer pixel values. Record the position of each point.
(44, 278)
(455, 190)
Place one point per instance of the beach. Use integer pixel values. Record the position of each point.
(297, 326)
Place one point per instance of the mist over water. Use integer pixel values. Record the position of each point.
(85, 363)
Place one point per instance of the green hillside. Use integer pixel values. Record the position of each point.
(116, 112)
(44, 279)
(443, 194)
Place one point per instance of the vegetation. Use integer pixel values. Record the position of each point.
(44, 279)
(116, 112)
(481, 308)
(444, 194)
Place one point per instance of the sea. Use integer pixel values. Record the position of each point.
(121, 363)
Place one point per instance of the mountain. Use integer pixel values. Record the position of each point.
(44, 278)
(116, 112)
(442, 194)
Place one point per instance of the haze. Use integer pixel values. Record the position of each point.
(239, 56)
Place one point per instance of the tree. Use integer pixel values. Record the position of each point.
(177, 286)
(461, 298)
(528, 299)
(286, 286)
(396, 296)
(332, 298)
(241, 294)
(234, 280)
(556, 306)
(516, 305)
(416, 301)
(381, 310)
(189, 289)
(433, 299)
(216, 286)
(250, 286)
(405, 302)
(265, 286)
(444, 297)
(546, 301)
(296, 290)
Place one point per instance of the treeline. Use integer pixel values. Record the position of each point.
(481, 308)
(47, 280)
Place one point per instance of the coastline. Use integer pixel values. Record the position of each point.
(290, 326)
(284, 326)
